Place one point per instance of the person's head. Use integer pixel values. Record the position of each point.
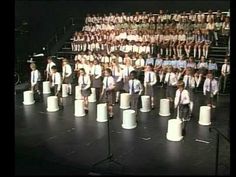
(149, 67)
(64, 61)
(133, 75)
(54, 69)
(81, 71)
(210, 75)
(202, 58)
(188, 71)
(95, 61)
(226, 61)
(169, 69)
(191, 59)
(33, 66)
(107, 72)
(180, 84)
(49, 59)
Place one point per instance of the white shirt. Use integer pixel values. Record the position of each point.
(182, 37)
(173, 79)
(225, 68)
(202, 65)
(197, 80)
(117, 73)
(49, 66)
(96, 70)
(135, 86)
(66, 70)
(190, 80)
(140, 62)
(214, 86)
(185, 99)
(84, 82)
(150, 77)
(35, 77)
(108, 82)
(56, 79)
(127, 70)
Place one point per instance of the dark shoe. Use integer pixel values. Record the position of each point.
(153, 106)
(111, 116)
(183, 132)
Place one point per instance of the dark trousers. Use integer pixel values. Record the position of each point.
(184, 110)
(134, 101)
(210, 98)
(223, 82)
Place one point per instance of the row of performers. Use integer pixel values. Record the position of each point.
(108, 85)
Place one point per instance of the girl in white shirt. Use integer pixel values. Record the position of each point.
(35, 78)
(117, 74)
(108, 91)
(84, 84)
(182, 101)
(150, 80)
(67, 75)
(135, 90)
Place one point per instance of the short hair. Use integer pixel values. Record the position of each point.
(134, 73)
(82, 69)
(54, 67)
(180, 83)
(33, 65)
(108, 70)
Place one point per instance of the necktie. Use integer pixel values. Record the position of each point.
(83, 80)
(132, 87)
(107, 83)
(180, 96)
(149, 77)
(187, 84)
(127, 71)
(168, 80)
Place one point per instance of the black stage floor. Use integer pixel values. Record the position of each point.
(61, 144)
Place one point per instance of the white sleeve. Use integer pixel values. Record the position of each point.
(154, 79)
(204, 87)
(176, 98)
(186, 98)
(88, 82)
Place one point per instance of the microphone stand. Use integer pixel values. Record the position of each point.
(109, 158)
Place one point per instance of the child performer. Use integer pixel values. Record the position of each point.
(84, 83)
(48, 69)
(108, 91)
(67, 75)
(96, 73)
(182, 101)
(210, 89)
(56, 85)
(189, 85)
(35, 78)
(135, 90)
(117, 74)
(150, 80)
(170, 80)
